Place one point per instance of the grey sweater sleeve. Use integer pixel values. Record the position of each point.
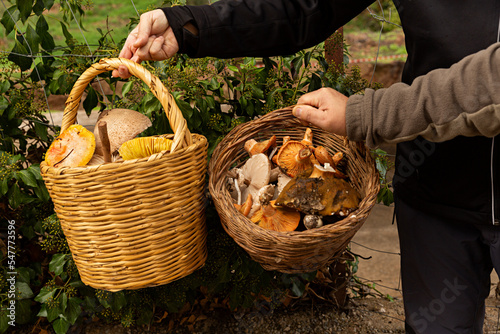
(463, 100)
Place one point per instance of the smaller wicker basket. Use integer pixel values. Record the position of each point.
(297, 251)
(137, 223)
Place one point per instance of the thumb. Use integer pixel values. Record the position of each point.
(305, 113)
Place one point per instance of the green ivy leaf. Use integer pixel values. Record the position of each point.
(24, 7)
(43, 311)
(127, 87)
(4, 86)
(23, 311)
(35, 171)
(67, 35)
(32, 39)
(4, 186)
(298, 287)
(118, 302)
(17, 56)
(91, 101)
(60, 326)
(73, 310)
(4, 322)
(48, 4)
(315, 83)
(27, 178)
(25, 274)
(41, 192)
(15, 196)
(57, 263)
(45, 293)
(4, 104)
(9, 19)
(23, 291)
(38, 7)
(53, 312)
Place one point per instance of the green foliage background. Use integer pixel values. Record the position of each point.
(214, 95)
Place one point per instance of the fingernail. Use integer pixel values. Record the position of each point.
(296, 112)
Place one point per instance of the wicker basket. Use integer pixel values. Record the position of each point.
(138, 223)
(297, 251)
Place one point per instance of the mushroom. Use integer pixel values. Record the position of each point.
(275, 172)
(99, 159)
(143, 147)
(251, 177)
(308, 138)
(245, 208)
(122, 125)
(337, 157)
(294, 158)
(253, 147)
(319, 193)
(283, 180)
(322, 155)
(72, 148)
(312, 221)
(276, 218)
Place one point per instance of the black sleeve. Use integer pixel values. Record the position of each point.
(237, 28)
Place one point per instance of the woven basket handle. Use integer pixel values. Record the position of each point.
(182, 136)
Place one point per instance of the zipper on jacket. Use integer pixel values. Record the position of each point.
(494, 219)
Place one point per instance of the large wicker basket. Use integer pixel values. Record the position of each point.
(138, 223)
(297, 251)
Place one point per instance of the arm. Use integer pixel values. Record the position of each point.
(237, 28)
(463, 100)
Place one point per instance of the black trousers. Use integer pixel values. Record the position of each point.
(445, 269)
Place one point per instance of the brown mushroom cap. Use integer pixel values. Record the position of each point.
(321, 153)
(324, 196)
(122, 125)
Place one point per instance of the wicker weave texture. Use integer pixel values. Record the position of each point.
(297, 251)
(138, 223)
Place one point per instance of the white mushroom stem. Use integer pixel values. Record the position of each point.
(273, 152)
(237, 187)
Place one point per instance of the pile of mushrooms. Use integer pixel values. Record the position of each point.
(278, 188)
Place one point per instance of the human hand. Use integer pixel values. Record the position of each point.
(324, 108)
(152, 39)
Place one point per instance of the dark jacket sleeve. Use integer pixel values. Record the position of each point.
(462, 100)
(258, 28)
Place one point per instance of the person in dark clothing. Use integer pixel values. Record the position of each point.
(447, 192)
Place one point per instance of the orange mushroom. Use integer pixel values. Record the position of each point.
(322, 155)
(245, 208)
(275, 218)
(294, 158)
(72, 148)
(308, 138)
(253, 147)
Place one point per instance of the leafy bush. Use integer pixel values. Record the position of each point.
(214, 95)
